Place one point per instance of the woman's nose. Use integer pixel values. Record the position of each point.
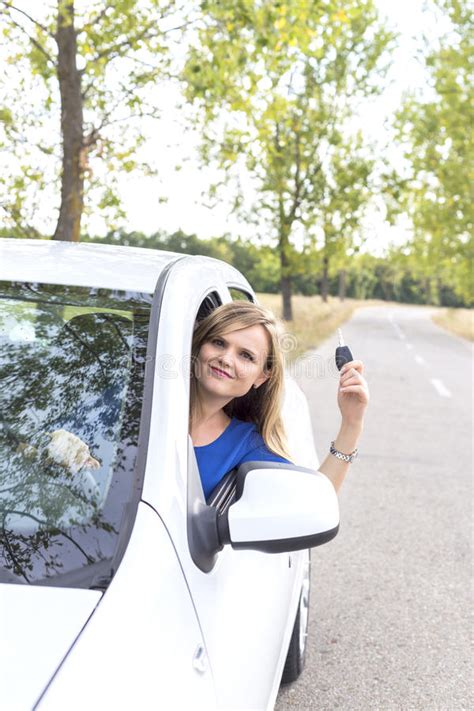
(227, 357)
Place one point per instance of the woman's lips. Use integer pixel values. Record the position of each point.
(220, 373)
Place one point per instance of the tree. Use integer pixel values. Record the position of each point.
(344, 196)
(276, 83)
(436, 133)
(88, 73)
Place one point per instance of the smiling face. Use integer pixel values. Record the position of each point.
(230, 364)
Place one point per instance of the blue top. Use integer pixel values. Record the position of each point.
(240, 442)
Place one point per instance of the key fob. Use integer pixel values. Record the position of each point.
(343, 352)
(343, 356)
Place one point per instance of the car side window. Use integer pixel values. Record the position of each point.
(72, 370)
(211, 302)
(238, 294)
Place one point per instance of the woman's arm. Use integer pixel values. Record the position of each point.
(346, 441)
(353, 398)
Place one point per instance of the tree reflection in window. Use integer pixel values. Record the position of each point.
(71, 393)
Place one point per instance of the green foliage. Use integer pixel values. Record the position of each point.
(390, 278)
(437, 136)
(122, 51)
(344, 199)
(275, 83)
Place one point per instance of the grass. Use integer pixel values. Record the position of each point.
(313, 320)
(458, 321)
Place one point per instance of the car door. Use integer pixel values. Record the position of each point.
(142, 647)
(247, 602)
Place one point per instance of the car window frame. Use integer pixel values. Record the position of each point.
(102, 573)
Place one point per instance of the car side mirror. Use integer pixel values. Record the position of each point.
(264, 506)
(279, 507)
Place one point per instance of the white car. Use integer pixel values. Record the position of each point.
(121, 587)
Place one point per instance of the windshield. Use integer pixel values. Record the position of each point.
(72, 363)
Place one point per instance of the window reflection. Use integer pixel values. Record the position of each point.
(71, 391)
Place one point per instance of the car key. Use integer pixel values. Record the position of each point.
(343, 353)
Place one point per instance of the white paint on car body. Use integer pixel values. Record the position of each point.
(440, 387)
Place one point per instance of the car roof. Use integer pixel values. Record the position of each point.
(85, 264)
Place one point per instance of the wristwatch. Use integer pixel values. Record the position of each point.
(344, 457)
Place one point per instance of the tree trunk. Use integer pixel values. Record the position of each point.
(428, 290)
(286, 299)
(342, 284)
(285, 280)
(72, 131)
(325, 279)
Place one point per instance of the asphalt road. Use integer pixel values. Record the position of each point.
(390, 622)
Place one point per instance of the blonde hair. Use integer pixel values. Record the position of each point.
(260, 405)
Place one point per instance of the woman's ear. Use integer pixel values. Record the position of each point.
(260, 380)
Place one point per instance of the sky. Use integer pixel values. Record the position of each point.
(173, 199)
(185, 207)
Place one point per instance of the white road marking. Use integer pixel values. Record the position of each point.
(398, 330)
(440, 388)
(409, 346)
(420, 360)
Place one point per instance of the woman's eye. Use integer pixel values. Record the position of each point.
(248, 356)
(217, 341)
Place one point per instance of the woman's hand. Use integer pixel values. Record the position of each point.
(353, 395)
